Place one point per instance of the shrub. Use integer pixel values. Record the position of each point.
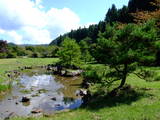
(3, 55)
(11, 55)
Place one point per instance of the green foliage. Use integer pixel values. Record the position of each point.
(35, 55)
(11, 55)
(42, 51)
(3, 55)
(112, 14)
(149, 74)
(118, 15)
(4, 87)
(86, 56)
(31, 48)
(70, 54)
(125, 49)
(18, 50)
(98, 75)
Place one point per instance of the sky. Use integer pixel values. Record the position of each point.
(41, 21)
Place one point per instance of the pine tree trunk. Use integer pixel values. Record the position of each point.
(123, 81)
(124, 76)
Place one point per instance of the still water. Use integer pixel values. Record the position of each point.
(48, 93)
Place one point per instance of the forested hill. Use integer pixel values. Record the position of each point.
(136, 11)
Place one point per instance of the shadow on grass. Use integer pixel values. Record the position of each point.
(126, 95)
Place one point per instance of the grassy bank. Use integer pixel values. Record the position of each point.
(139, 103)
(14, 64)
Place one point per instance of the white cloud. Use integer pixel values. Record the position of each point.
(16, 37)
(20, 13)
(25, 21)
(64, 18)
(36, 36)
(61, 21)
(38, 4)
(2, 31)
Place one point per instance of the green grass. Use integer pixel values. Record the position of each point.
(14, 64)
(141, 103)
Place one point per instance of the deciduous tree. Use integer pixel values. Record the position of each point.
(70, 53)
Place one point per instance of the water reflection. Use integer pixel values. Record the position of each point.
(46, 92)
(40, 81)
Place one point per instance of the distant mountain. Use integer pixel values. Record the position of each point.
(33, 45)
(13, 44)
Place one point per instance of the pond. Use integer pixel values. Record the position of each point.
(47, 93)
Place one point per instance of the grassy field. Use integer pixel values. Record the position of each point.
(14, 64)
(142, 102)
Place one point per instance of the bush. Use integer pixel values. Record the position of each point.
(11, 55)
(35, 55)
(3, 55)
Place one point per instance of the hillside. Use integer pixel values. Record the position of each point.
(137, 11)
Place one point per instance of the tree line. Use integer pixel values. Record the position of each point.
(10, 50)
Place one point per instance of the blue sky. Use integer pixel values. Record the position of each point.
(41, 21)
(87, 10)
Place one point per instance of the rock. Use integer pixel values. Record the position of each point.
(35, 111)
(22, 69)
(25, 99)
(27, 67)
(9, 75)
(82, 92)
(49, 68)
(85, 94)
(43, 66)
(85, 84)
(73, 73)
(63, 72)
(54, 98)
(86, 97)
(15, 72)
(54, 68)
(59, 68)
